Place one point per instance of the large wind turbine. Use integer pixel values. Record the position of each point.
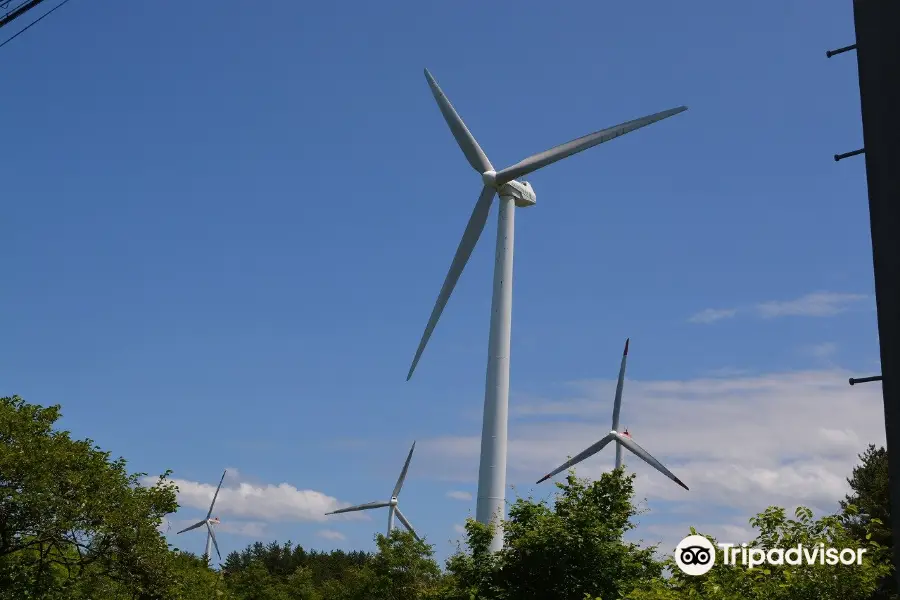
(492, 468)
(209, 522)
(392, 503)
(620, 438)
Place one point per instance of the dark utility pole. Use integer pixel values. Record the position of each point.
(877, 24)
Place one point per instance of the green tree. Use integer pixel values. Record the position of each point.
(403, 568)
(779, 582)
(866, 510)
(569, 551)
(72, 521)
(194, 580)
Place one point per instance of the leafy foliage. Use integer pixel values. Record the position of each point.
(566, 551)
(866, 511)
(69, 514)
(75, 525)
(777, 582)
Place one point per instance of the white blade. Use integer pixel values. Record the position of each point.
(465, 139)
(535, 162)
(367, 506)
(406, 524)
(466, 245)
(212, 534)
(617, 405)
(641, 453)
(194, 526)
(216, 495)
(592, 450)
(403, 472)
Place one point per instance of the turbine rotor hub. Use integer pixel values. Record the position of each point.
(489, 178)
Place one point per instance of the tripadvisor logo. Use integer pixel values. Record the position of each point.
(696, 555)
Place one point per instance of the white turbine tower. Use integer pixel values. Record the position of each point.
(392, 503)
(620, 438)
(209, 522)
(492, 469)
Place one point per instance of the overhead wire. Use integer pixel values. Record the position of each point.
(18, 11)
(35, 22)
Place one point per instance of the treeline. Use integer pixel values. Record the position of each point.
(75, 525)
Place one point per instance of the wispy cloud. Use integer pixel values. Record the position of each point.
(459, 495)
(727, 372)
(740, 443)
(459, 528)
(255, 529)
(816, 304)
(331, 534)
(711, 315)
(823, 350)
(256, 501)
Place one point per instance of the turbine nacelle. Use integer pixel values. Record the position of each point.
(520, 191)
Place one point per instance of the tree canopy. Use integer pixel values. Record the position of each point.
(75, 524)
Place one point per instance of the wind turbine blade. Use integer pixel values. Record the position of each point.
(368, 506)
(194, 526)
(594, 449)
(617, 405)
(406, 524)
(474, 154)
(212, 534)
(463, 252)
(536, 161)
(403, 472)
(640, 452)
(216, 495)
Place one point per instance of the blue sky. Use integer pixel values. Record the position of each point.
(226, 227)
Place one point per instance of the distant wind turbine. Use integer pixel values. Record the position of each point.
(392, 503)
(513, 194)
(620, 438)
(209, 522)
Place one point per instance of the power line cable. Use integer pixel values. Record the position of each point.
(35, 22)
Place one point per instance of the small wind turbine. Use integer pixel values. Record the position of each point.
(392, 503)
(514, 193)
(209, 522)
(620, 438)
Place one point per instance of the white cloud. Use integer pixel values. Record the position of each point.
(823, 350)
(711, 315)
(740, 443)
(459, 495)
(727, 372)
(816, 304)
(258, 502)
(253, 529)
(330, 534)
